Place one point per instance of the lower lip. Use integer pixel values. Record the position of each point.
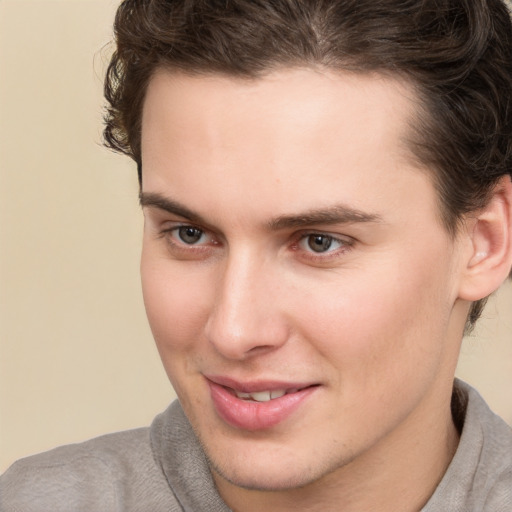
(248, 415)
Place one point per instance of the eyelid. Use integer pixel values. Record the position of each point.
(345, 239)
(160, 217)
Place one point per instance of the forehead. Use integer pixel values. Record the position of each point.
(301, 134)
(288, 102)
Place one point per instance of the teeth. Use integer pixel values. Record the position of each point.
(261, 396)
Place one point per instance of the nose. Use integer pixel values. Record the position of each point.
(246, 317)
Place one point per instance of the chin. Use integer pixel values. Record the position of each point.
(261, 479)
(270, 469)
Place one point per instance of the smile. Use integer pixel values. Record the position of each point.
(263, 396)
(257, 406)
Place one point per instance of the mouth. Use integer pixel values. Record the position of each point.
(257, 405)
(264, 396)
(259, 390)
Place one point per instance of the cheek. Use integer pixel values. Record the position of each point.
(175, 303)
(176, 307)
(385, 324)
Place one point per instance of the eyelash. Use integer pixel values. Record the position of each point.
(345, 243)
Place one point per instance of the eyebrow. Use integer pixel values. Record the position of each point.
(154, 200)
(336, 214)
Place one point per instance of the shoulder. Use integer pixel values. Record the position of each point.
(492, 486)
(110, 473)
(480, 475)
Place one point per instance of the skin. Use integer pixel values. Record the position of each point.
(375, 320)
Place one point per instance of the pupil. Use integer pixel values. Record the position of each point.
(190, 235)
(319, 243)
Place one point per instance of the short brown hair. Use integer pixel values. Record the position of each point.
(456, 53)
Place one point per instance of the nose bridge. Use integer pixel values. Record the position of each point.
(246, 314)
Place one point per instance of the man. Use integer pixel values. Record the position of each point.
(328, 202)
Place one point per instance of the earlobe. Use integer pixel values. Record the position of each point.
(490, 258)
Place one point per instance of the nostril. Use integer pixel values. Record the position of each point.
(260, 349)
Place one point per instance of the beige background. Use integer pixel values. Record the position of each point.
(76, 356)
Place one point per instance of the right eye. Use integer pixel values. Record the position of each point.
(186, 242)
(189, 235)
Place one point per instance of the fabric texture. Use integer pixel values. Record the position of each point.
(163, 468)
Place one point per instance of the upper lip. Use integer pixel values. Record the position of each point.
(255, 386)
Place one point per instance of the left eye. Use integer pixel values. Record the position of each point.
(189, 235)
(320, 243)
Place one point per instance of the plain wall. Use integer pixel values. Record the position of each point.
(76, 355)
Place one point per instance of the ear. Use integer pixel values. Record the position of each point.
(489, 257)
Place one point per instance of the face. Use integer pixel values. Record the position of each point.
(299, 284)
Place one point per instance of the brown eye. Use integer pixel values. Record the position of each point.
(190, 235)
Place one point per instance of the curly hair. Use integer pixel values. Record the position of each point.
(456, 53)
